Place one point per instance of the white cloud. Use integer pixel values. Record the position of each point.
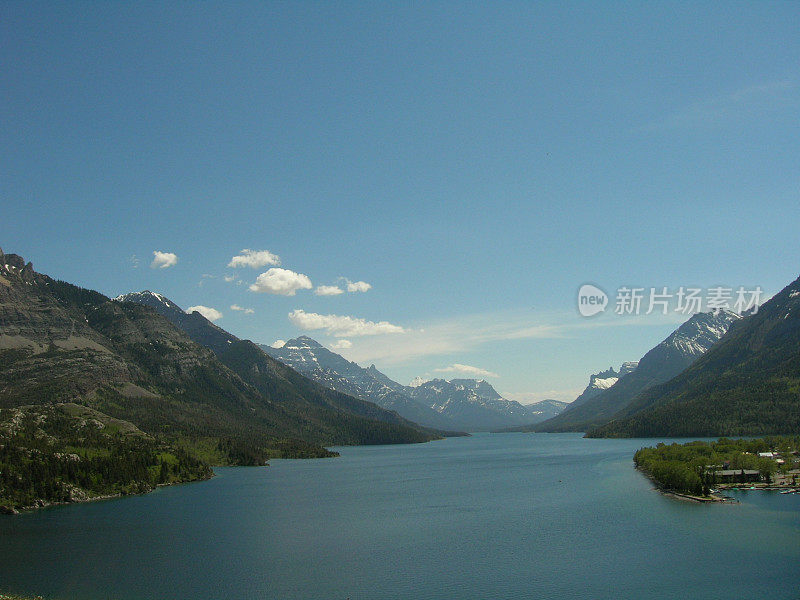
(281, 281)
(212, 314)
(134, 261)
(254, 259)
(278, 344)
(163, 260)
(466, 370)
(342, 345)
(229, 278)
(358, 286)
(237, 308)
(341, 326)
(328, 290)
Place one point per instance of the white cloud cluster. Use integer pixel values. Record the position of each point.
(358, 286)
(212, 314)
(328, 290)
(466, 370)
(342, 345)
(341, 326)
(237, 308)
(278, 344)
(282, 282)
(163, 260)
(254, 259)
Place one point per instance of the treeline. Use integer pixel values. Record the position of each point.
(689, 468)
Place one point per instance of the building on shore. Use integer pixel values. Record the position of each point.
(737, 476)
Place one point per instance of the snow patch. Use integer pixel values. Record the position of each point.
(604, 384)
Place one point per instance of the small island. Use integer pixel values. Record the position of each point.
(702, 471)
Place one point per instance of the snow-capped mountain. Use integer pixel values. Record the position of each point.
(472, 404)
(666, 360)
(312, 359)
(599, 382)
(746, 384)
(546, 409)
(457, 405)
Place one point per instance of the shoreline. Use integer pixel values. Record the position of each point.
(718, 497)
(699, 499)
(16, 510)
(684, 496)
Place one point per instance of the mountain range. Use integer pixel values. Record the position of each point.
(666, 360)
(262, 371)
(199, 388)
(332, 370)
(748, 383)
(117, 396)
(460, 404)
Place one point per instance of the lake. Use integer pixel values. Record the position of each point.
(489, 516)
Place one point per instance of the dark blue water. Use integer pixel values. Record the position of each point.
(491, 516)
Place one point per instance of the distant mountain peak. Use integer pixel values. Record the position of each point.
(149, 298)
(459, 404)
(13, 260)
(701, 331)
(600, 403)
(609, 373)
(14, 264)
(302, 341)
(628, 367)
(745, 385)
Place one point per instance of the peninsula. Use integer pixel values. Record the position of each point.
(702, 470)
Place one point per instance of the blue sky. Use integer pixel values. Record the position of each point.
(475, 164)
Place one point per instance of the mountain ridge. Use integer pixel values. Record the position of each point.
(747, 384)
(667, 359)
(469, 405)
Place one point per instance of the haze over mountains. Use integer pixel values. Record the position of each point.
(460, 404)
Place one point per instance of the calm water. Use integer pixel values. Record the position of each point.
(491, 516)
